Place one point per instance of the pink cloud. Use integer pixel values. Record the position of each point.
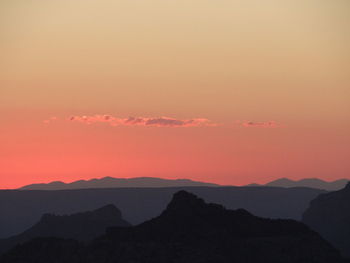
(51, 119)
(142, 121)
(158, 121)
(267, 124)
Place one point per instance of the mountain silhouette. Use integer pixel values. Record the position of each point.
(310, 182)
(110, 182)
(138, 182)
(80, 226)
(22, 209)
(329, 214)
(189, 230)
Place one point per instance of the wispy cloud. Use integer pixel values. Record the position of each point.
(157, 121)
(142, 121)
(51, 119)
(264, 124)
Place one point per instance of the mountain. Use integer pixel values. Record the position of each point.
(110, 182)
(329, 214)
(190, 230)
(81, 226)
(21, 209)
(148, 182)
(310, 182)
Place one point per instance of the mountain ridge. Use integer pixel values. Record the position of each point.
(82, 226)
(307, 182)
(190, 230)
(113, 182)
(156, 182)
(141, 204)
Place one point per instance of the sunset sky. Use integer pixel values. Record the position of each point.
(226, 91)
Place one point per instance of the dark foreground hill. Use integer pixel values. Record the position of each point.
(81, 226)
(21, 209)
(111, 182)
(329, 214)
(189, 230)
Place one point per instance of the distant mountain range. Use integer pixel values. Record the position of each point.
(83, 226)
(329, 215)
(307, 182)
(189, 231)
(110, 182)
(20, 209)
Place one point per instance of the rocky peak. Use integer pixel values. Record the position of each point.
(183, 199)
(187, 203)
(108, 210)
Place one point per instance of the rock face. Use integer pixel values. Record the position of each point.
(329, 214)
(81, 226)
(192, 231)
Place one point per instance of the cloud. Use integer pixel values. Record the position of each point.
(158, 121)
(142, 121)
(51, 119)
(252, 124)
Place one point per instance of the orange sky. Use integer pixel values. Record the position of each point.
(270, 79)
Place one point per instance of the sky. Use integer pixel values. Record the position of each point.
(227, 91)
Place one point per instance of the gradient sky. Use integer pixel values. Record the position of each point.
(225, 91)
